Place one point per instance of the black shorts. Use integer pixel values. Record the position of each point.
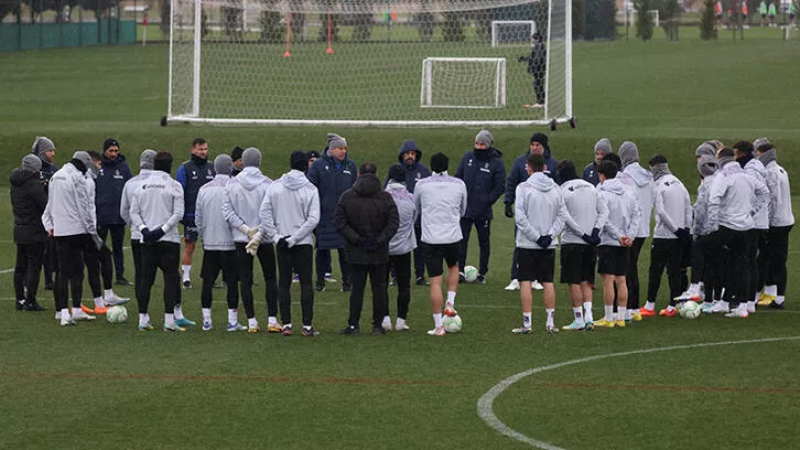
(612, 260)
(577, 263)
(536, 264)
(190, 233)
(435, 253)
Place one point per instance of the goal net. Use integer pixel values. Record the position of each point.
(357, 62)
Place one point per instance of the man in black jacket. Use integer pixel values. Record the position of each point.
(44, 149)
(367, 219)
(28, 200)
(114, 173)
(537, 66)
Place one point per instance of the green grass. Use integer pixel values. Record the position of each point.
(105, 386)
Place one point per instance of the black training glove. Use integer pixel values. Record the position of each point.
(596, 234)
(282, 242)
(588, 239)
(509, 210)
(544, 241)
(153, 236)
(367, 244)
(683, 234)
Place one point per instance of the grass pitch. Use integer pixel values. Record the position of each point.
(108, 386)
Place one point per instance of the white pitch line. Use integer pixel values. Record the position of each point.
(486, 402)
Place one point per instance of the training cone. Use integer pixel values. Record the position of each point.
(287, 54)
(329, 51)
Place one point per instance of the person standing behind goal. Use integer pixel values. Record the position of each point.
(441, 200)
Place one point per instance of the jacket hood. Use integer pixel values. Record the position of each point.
(491, 152)
(294, 180)
(614, 186)
(768, 156)
(113, 162)
(541, 182)
(395, 186)
(367, 185)
(326, 155)
(407, 147)
(20, 177)
(638, 174)
(757, 166)
(250, 178)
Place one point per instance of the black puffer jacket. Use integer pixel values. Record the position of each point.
(28, 200)
(366, 212)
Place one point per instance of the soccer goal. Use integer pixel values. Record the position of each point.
(512, 32)
(357, 62)
(653, 13)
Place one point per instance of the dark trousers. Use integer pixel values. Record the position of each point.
(515, 259)
(138, 271)
(69, 278)
(117, 238)
(419, 258)
(762, 261)
(778, 253)
(402, 267)
(753, 238)
(698, 260)
(299, 260)
(483, 226)
(27, 270)
(266, 256)
(736, 279)
(538, 86)
(167, 257)
(378, 275)
(632, 273)
(710, 268)
(50, 261)
(95, 268)
(323, 264)
(214, 262)
(665, 253)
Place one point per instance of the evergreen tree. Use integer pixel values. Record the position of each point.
(708, 22)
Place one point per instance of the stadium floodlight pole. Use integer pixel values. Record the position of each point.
(198, 38)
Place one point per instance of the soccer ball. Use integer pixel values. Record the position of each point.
(117, 314)
(690, 310)
(470, 273)
(452, 324)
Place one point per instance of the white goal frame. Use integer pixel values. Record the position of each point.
(495, 23)
(653, 15)
(426, 91)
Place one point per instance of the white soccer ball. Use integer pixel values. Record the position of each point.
(690, 310)
(470, 273)
(117, 314)
(452, 324)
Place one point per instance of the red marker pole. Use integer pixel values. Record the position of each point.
(288, 34)
(330, 49)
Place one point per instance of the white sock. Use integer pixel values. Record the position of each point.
(577, 311)
(147, 317)
(628, 314)
(771, 290)
(670, 308)
(650, 305)
(387, 319)
(550, 314)
(65, 313)
(178, 312)
(187, 271)
(622, 313)
(694, 288)
(169, 319)
(587, 312)
(755, 297)
(109, 293)
(233, 315)
(99, 303)
(272, 320)
(143, 319)
(526, 320)
(451, 297)
(725, 304)
(609, 316)
(206, 314)
(400, 323)
(286, 325)
(307, 327)
(252, 323)
(437, 320)
(780, 299)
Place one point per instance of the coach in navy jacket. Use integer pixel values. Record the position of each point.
(484, 174)
(111, 179)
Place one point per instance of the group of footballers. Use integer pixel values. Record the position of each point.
(734, 237)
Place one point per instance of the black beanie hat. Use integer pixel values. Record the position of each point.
(439, 162)
(299, 161)
(658, 159)
(312, 154)
(110, 142)
(614, 158)
(236, 153)
(542, 139)
(397, 173)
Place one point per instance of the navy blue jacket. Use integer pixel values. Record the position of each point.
(414, 172)
(108, 190)
(192, 175)
(519, 174)
(332, 179)
(590, 173)
(485, 181)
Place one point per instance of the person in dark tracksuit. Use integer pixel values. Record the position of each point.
(333, 173)
(601, 149)
(192, 175)
(484, 174)
(111, 179)
(409, 158)
(45, 150)
(537, 67)
(28, 200)
(236, 157)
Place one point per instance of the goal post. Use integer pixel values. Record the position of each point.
(357, 62)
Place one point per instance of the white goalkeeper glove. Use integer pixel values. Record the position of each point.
(250, 232)
(291, 241)
(252, 246)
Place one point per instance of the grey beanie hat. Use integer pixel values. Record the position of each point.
(604, 146)
(223, 164)
(147, 158)
(32, 163)
(628, 153)
(336, 141)
(42, 145)
(705, 149)
(484, 137)
(707, 165)
(84, 158)
(759, 142)
(251, 157)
